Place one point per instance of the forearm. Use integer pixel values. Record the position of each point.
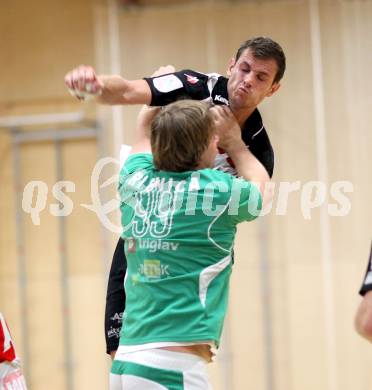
(230, 139)
(247, 165)
(117, 90)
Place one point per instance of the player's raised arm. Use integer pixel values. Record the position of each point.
(143, 128)
(230, 139)
(145, 117)
(83, 82)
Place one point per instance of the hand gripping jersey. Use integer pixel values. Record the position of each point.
(179, 230)
(188, 84)
(367, 282)
(11, 377)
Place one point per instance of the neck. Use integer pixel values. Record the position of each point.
(204, 162)
(242, 114)
(202, 165)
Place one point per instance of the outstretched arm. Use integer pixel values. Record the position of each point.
(144, 119)
(83, 82)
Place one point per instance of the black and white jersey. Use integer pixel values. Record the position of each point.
(367, 282)
(212, 87)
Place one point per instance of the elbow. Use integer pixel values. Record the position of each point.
(364, 329)
(267, 193)
(363, 322)
(266, 189)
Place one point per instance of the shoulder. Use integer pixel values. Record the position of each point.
(214, 174)
(221, 182)
(184, 75)
(135, 162)
(254, 132)
(193, 78)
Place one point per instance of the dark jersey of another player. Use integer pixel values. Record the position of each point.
(185, 84)
(367, 282)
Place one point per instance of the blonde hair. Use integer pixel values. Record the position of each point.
(180, 133)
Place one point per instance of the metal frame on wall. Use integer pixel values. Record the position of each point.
(57, 136)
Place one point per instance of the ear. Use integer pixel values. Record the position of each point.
(273, 89)
(230, 66)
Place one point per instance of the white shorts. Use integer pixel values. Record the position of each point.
(11, 377)
(158, 369)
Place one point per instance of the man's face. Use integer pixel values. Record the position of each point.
(250, 80)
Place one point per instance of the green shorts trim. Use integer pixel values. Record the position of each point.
(172, 380)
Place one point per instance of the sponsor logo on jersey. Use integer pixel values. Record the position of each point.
(117, 317)
(154, 245)
(153, 269)
(113, 332)
(221, 99)
(131, 245)
(191, 79)
(167, 83)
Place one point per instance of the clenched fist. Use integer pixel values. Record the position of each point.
(83, 83)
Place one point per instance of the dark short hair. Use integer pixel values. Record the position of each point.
(265, 48)
(180, 133)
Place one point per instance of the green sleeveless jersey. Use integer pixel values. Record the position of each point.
(179, 230)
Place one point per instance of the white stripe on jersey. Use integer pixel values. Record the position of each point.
(211, 224)
(258, 132)
(212, 81)
(208, 274)
(368, 279)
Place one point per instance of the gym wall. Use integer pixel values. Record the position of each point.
(297, 270)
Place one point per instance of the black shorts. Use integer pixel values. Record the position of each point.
(115, 298)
